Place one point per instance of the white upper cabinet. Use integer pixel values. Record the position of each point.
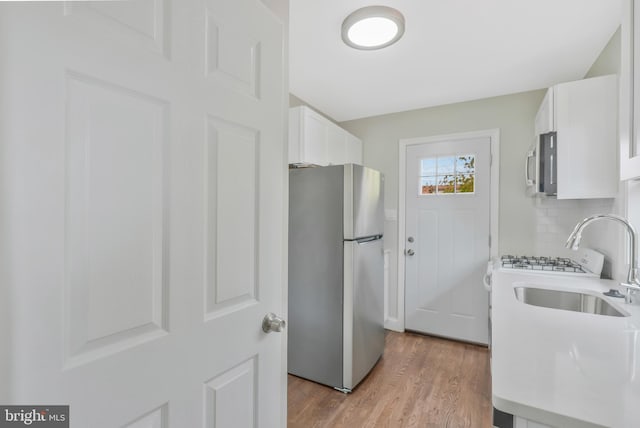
(336, 147)
(579, 161)
(587, 127)
(545, 121)
(630, 92)
(354, 149)
(308, 137)
(315, 140)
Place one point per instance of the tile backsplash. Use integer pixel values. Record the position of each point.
(555, 219)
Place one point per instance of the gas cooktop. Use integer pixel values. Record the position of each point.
(557, 264)
(588, 263)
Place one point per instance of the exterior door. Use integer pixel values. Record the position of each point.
(143, 209)
(447, 238)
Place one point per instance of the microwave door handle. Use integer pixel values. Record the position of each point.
(528, 179)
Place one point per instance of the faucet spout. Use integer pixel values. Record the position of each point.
(573, 242)
(633, 280)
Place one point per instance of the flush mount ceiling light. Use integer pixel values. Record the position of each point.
(373, 27)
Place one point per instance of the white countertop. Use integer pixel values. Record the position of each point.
(564, 368)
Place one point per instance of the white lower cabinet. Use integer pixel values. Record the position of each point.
(315, 140)
(519, 422)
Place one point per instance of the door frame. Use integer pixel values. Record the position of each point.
(494, 137)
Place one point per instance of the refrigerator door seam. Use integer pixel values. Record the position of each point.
(347, 322)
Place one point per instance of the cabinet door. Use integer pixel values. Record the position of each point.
(519, 422)
(314, 139)
(354, 149)
(585, 112)
(630, 92)
(295, 135)
(545, 120)
(336, 150)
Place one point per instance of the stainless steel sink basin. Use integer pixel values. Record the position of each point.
(567, 300)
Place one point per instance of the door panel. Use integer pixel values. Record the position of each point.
(141, 23)
(447, 238)
(156, 418)
(116, 215)
(222, 407)
(232, 213)
(233, 55)
(143, 175)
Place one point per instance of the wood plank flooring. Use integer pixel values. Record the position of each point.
(421, 381)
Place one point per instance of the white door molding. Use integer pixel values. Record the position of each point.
(494, 135)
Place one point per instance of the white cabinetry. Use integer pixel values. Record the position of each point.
(354, 149)
(586, 123)
(584, 116)
(315, 140)
(545, 121)
(336, 149)
(630, 92)
(519, 422)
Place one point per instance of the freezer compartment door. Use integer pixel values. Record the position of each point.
(363, 309)
(363, 202)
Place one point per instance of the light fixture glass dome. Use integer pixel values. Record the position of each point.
(373, 27)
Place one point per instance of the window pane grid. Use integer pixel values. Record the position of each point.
(452, 174)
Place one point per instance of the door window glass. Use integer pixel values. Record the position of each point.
(453, 174)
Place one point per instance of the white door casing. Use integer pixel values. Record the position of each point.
(143, 174)
(440, 295)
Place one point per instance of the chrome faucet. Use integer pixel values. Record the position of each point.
(633, 281)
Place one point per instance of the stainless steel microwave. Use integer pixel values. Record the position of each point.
(541, 168)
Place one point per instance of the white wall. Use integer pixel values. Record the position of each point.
(536, 226)
(512, 114)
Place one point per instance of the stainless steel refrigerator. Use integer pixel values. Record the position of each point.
(336, 268)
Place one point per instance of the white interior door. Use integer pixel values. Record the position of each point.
(447, 238)
(143, 199)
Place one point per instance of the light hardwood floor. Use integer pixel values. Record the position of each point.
(421, 381)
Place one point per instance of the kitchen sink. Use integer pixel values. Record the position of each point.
(567, 300)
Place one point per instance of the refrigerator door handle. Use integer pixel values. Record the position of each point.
(368, 239)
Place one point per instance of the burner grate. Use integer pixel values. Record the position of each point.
(541, 263)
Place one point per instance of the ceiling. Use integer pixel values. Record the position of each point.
(452, 51)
